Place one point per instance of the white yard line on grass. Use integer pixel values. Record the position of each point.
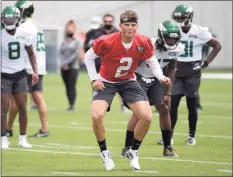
(227, 171)
(123, 130)
(97, 155)
(216, 76)
(69, 146)
(139, 171)
(65, 173)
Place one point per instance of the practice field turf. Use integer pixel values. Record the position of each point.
(72, 150)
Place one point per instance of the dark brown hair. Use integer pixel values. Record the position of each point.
(129, 14)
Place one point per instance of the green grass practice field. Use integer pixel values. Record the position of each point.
(72, 150)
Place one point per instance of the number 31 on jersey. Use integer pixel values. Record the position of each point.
(122, 70)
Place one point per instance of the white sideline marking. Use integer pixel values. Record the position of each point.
(147, 171)
(97, 155)
(69, 146)
(228, 171)
(228, 106)
(216, 76)
(57, 147)
(123, 130)
(65, 173)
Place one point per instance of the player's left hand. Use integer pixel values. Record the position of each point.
(165, 80)
(98, 85)
(202, 65)
(167, 101)
(35, 78)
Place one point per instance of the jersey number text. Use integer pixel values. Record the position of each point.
(14, 50)
(188, 49)
(121, 70)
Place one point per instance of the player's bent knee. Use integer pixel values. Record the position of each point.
(97, 115)
(146, 116)
(99, 108)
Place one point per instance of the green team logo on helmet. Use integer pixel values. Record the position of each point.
(169, 34)
(10, 17)
(183, 15)
(26, 8)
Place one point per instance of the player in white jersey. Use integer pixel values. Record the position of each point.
(31, 27)
(167, 50)
(13, 74)
(189, 66)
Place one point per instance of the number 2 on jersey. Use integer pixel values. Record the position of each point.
(14, 50)
(121, 69)
(188, 48)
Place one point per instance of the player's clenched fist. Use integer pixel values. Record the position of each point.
(98, 85)
(165, 80)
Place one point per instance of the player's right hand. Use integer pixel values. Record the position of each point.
(98, 85)
(165, 80)
(35, 78)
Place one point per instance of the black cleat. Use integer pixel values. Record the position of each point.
(168, 151)
(40, 133)
(9, 133)
(124, 150)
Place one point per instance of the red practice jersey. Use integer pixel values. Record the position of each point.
(118, 63)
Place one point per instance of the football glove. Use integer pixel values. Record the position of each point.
(200, 66)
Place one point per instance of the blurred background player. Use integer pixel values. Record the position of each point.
(96, 22)
(31, 27)
(107, 28)
(189, 66)
(167, 49)
(70, 53)
(13, 74)
(120, 54)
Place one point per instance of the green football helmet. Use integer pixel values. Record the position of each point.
(10, 18)
(183, 15)
(169, 34)
(26, 8)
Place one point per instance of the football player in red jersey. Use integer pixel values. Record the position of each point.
(121, 53)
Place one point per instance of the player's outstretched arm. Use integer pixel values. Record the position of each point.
(157, 71)
(32, 58)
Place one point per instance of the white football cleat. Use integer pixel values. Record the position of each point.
(23, 142)
(190, 141)
(133, 156)
(108, 162)
(5, 143)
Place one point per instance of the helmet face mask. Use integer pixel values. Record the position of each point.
(170, 41)
(10, 18)
(10, 23)
(169, 34)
